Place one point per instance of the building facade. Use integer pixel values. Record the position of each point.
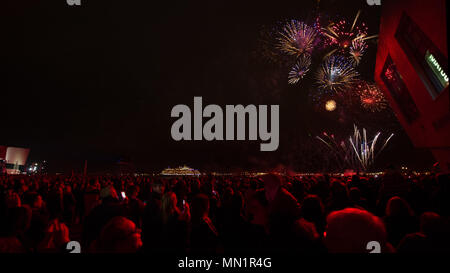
(412, 71)
(13, 159)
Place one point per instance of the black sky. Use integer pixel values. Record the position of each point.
(98, 82)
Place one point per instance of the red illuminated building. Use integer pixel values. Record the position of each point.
(412, 71)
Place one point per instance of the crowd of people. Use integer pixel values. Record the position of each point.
(225, 214)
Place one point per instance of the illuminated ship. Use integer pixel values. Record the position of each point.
(180, 171)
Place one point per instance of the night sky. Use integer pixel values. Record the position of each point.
(98, 82)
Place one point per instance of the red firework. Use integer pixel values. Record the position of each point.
(371, 97)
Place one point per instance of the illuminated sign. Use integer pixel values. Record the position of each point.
(437, 69)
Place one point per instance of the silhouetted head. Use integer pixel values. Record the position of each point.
(133, 191)
(430, 223)
(355, 194)
(119, 235)
(312, 207)
(200, 207)
(227, 196)
(257, 209)
(55, 204)
(350, 230)
(272, 184)
(158, 186)
(34, 200)
(398, 207)
(237, 203)
(108, 193)
(168, 205)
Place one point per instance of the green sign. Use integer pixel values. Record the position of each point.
(437, 69)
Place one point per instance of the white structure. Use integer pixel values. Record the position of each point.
(15, 159)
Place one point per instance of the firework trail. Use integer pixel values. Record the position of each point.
(297, 38)
(336, 74)
(339, 151)
(360, 153)
(364, 149)
(300, 69)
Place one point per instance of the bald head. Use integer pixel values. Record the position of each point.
(119, 235)
(350, 230)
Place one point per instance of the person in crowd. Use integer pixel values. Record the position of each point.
(281, 204)
(175, 223)
(430, 238)
(392, 184)
(91, 196)
(440, 195)
(339, 198)
(312, 210)
(351, 230)
(56, 237)
(258, 214)
(69, 203)
(109, 207)
(356, 200)
(236, 233)
(135, 205)
(204, 237)
(119, 235)
(283, 212)
(400, 220)
(233, 214)
(152, 227)
(16, 221)
(56, 233)
(39, 220)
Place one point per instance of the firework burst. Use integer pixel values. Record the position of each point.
(357, 51)
(297, 38)
(371, 97)
(300, 69)
(342, 35)
(336, 74)
(330, 105)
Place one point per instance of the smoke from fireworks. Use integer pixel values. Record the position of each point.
(266, 49)
(300, 69)
(297, 38)
(336, 74)
(371, 97)
(360, 152)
